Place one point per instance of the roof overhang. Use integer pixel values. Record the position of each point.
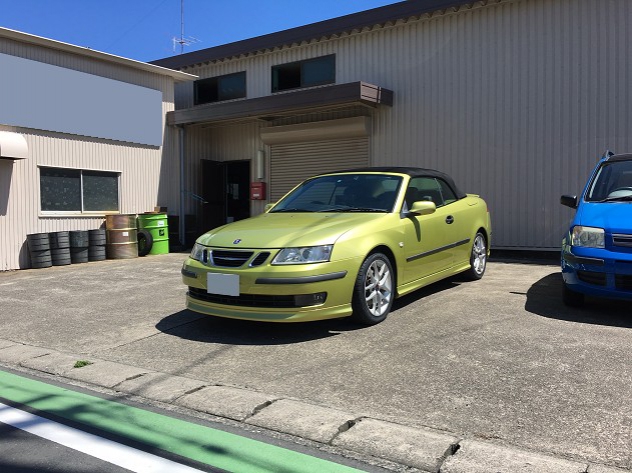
(83, 51)
(324, 30)
(284, 104)
(13, 146)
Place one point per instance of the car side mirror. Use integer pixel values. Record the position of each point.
(569, 201)
(422, 207)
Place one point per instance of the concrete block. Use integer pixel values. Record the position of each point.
(160, 386)
(6, 343)
(418, 448)
(16, 354)
(54, 363)
(105, 373)
(225, 401)
(605, 469)
(303, 420)
(481, 457)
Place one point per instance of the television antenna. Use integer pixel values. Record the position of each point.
(183, 40)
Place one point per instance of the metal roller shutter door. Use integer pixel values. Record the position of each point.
(294, 162)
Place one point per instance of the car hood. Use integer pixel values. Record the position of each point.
(280, 230)
(615, 217)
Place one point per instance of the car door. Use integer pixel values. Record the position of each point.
(426, 237)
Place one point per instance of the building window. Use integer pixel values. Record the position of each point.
(216, 89)
(308, 73)
(78, 191)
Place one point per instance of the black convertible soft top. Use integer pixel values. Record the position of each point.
(412, 172)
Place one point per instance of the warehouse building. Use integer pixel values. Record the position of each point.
(516, 99)
(82, 135)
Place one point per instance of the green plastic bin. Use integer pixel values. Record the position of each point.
(158, 226)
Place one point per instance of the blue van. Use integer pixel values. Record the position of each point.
(597, 250)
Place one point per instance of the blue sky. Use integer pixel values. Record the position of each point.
(144, 29)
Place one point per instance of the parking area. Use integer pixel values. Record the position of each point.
(500, 359)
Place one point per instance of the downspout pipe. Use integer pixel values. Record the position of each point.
(182, 229)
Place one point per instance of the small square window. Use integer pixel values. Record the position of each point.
(308, 73)
(217, 89)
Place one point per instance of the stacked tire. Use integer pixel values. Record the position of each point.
(59, 248)
(39, 250)
(79, 244)
(97, 240)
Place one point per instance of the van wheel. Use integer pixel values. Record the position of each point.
(373, 292)
(572, 298)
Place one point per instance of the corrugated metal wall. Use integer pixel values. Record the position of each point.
(515, 99)
(148, 174)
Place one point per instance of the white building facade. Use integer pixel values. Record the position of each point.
(82, 135)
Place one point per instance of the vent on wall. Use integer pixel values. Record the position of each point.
(12, 146)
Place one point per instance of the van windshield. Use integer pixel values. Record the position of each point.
(612, 182)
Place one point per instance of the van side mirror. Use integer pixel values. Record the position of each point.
(569, 201)
(422, 207)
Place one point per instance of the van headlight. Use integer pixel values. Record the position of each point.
(588, 237)
(306, 254)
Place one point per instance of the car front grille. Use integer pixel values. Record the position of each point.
(230, 259)
(592, 277)
(622, 240)
(256, 300)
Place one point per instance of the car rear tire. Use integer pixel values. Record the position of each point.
(572, 298)
(374, 290)
(478, 258)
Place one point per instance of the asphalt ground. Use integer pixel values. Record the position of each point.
(492, 375)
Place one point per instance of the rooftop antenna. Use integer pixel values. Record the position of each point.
(183, 41)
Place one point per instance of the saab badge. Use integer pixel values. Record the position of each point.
(237, 241)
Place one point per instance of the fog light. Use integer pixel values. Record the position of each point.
(306, 300)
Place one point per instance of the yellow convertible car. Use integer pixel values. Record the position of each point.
(341, 244)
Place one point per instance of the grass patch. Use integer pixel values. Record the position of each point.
(82, 363)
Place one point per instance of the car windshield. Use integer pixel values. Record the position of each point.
(612, 183)
(343, 193)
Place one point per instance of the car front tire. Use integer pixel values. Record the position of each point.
(374, 290)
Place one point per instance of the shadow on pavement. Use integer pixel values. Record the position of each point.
(201, 328)
(427, 291)
(544, 298)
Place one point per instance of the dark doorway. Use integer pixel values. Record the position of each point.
(225, 188)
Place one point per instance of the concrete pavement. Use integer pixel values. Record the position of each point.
(100, 306)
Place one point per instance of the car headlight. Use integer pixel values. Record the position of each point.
(589, 237)
(197, 252)
(307, 254)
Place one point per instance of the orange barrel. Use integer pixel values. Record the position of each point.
(121, 236)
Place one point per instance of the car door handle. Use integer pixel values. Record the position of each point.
(449, 219)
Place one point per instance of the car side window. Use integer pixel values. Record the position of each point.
(447, 193)
(424, 188)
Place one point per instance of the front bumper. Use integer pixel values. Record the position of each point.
(270, 293)
(597, 272)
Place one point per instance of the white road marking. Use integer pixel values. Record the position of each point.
(106, 450)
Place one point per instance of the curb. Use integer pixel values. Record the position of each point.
(424, 449)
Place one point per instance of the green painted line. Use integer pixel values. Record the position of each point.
(206, 445)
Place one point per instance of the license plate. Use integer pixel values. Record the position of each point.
(224, 284)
